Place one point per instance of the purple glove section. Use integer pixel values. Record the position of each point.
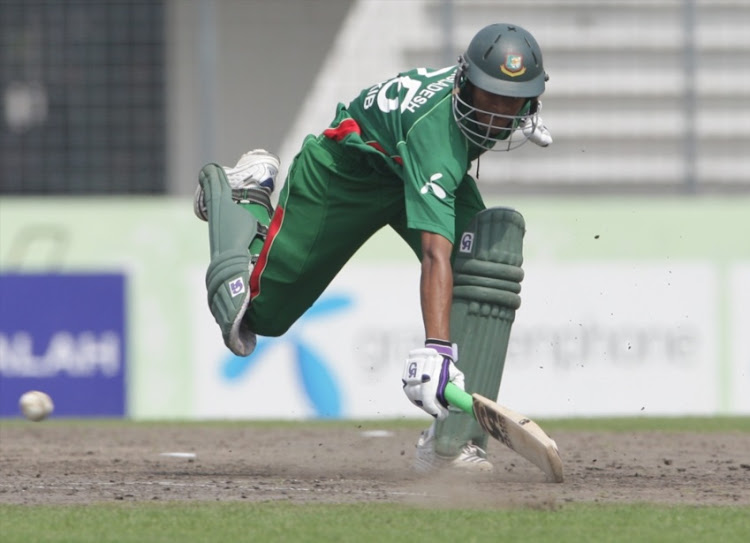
(445, 348)
(444, 380)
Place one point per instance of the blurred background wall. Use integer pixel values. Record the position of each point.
(134, 96)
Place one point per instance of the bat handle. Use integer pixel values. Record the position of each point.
(458, 398)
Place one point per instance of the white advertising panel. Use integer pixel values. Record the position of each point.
(589, 339)
(343, 358)
(615, 339)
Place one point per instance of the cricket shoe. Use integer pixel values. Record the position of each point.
(471, 458)
(252, 180)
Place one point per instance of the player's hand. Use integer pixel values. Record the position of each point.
(536, 131)
(426, 374)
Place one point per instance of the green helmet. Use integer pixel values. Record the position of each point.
(506, 60)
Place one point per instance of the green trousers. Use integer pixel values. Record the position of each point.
(332, 202)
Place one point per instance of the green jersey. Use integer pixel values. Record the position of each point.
(394, 156)
(407, 124)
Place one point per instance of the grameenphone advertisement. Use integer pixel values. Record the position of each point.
(63, 334)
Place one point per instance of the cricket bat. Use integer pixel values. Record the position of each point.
(517, 432)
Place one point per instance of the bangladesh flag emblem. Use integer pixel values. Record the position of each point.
(513, 66)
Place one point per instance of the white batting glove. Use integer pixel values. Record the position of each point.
(533, 128)
(426, 374)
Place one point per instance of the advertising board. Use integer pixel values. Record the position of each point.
(64, 334)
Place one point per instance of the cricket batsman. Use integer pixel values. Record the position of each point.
(397, 155)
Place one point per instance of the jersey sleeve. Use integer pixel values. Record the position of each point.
(408, 119)
(435, 162)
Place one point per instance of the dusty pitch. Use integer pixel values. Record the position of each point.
(58, 463)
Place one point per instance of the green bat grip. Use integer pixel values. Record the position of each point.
(458, 398)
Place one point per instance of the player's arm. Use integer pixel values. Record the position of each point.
(428, 370)
(436, 285)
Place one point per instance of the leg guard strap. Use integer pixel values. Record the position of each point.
(253, 196)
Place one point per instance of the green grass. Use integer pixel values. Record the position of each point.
(609, 424)
(648, 424)
(188, 522)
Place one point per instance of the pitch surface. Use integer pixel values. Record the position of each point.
(58, 463)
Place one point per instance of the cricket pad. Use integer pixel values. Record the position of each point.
(487, 279)
(231, 229)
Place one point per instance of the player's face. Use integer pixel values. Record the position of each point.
(496, 110)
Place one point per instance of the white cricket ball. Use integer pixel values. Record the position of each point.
(36, 405)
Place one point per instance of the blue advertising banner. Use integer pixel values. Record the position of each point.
(63, 334)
